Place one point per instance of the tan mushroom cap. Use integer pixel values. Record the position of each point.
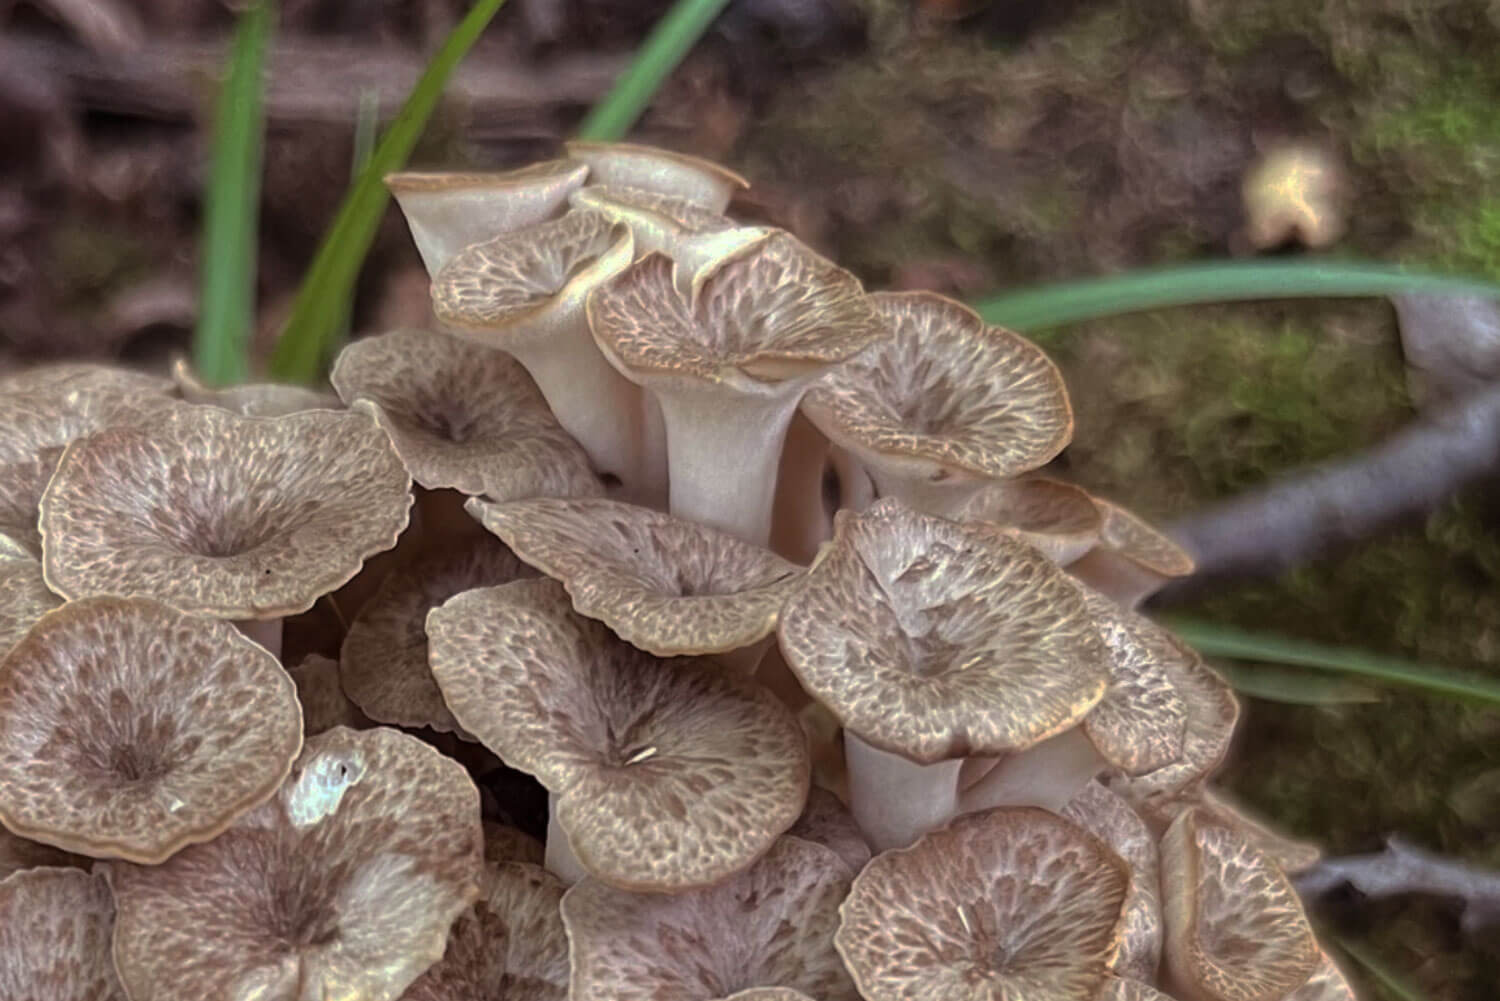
(236, 517)
(1132, 559)
(679, 174)
(1127, 989)
(1009, 904)
(1327, 983)
(765, 933)
(827, 821)
(344, 885)
(510, 946)
(667, 775)
(1235, 926)
(24, 599)
(1290, 854)
(1058, 518)
(264, 399)
(463, 416)
(1213, 711)
(503, 843)
(1109, 818)
(935, 640)
(128, 729)
(324, 704)
(384, 660)
(945, 393)
(53, 377)
(684, 231)
(55, 929)
(666, 585)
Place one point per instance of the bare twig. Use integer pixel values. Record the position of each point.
(1405, 868)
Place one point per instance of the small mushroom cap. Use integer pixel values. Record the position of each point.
(463, 416)
(1109, 818)
(344, 885)
(54, 937)
(768, 929)
(235, 517)
(1235, 926)
(266, 399)
(384, 660)
(678, 174)
(1292, 855)
(511, 946)
(1058, 518)
(666, 585)
(128, 729)
(946, 390)
(1007, 904)
(668, 775)
(324, 704)
(24, 599)
(1132, 559)
(827, 821)
(1212, 713)
(936, 640)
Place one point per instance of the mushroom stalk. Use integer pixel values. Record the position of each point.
(943, 498)
(799, 521)
(856, 489)
(266, 632)
(1047, 775)
(895, 800)
(560, 860)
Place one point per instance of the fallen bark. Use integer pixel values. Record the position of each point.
(1404, 868)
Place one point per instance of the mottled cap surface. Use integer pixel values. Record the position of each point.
(681, 175)
(324, 704)
(1131, 537)
(64, 375)
(24, 598)
(773, 311)
(770, 928)
(1212, 711)
(935, 640)
(1327, 983)
(1235, 926)
(55, 929)
(1058, 518)
(1110, 819)
(236, 517)
(343, 885)
(510, 946)
(668, 774)
(1012, 904)
(666, 585)
(128, 729)
(384, 660)
(463, 416)
(260, 399)
(945, 387)
(827, 821)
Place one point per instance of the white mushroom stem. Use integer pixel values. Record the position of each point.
(1046, 775)
(856, 489)
(266, 632)
(896, 801)
(1116, 576)
(799, 522)
(560, 860)
(942, 498)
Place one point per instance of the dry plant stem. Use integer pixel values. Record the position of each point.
(266, 632)
(1047, 775)
(799, 523)
(856, 489)
(895, 800)
(560, 860)
(1405, 868)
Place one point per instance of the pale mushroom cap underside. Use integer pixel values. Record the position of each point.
(945, 387)
(1058, 518)
(55, 929)
(668, 774)
(667, 585)
(235, 517)
(1132, 537)
(657, 210)
(934, 640)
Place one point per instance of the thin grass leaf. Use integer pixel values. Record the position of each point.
(1293, 687)
(1214, 640)
(1044, 306)
(669, 42)
(226, 294)
(330, 279)
(1393, 986)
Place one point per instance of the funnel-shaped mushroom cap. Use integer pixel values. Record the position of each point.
(769, 927)
(1235, 926)
(935, 640)
(384, 658)
(342, 886)
(54, 937)
(666, 585)
(261, 399)
(1010, 904)
(943, 397)
(463, 416)
(450, 211)
(628, 165)
(667, 774)
(1132, 559)
(1290, 855)
(1058, 518)
(236, 517)
(1212, 712)
(690, 235)
(511, 946)
(1326, 984)
(24, 598)
(827, 821)
(324, 704)
(1110, 819)
(128, 729)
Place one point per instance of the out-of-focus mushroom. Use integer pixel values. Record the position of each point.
(1131, 560)
(684, 231)
(728, 362)
(524, 294)
(240, 518)
(50, 378)
(384, 660)
(932, 641)
(627, 165)
(943, 405)
(343, 885)
(1235, 930)
(1110, 819)
(128, 729)
(826, 821)
(24, 598)
(54, 937)
(261, 399)
(324, 704)
(503, 843)
(450, 211)
(768, 927)
(463, 416)
(1295, 190)
(665, 774)
(669, 586)
(1058, 518)
(1009, 903)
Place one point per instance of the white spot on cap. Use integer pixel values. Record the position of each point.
(321, 786)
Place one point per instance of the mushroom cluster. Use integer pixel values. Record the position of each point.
(699, 626)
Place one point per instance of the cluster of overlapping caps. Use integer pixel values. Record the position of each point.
(922, 748)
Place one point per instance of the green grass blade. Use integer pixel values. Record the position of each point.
(668, 43)
(1045, 306)
(1272, 683)
(1214, 640)
(330, 279)
(1394, 987)
(226, 295)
